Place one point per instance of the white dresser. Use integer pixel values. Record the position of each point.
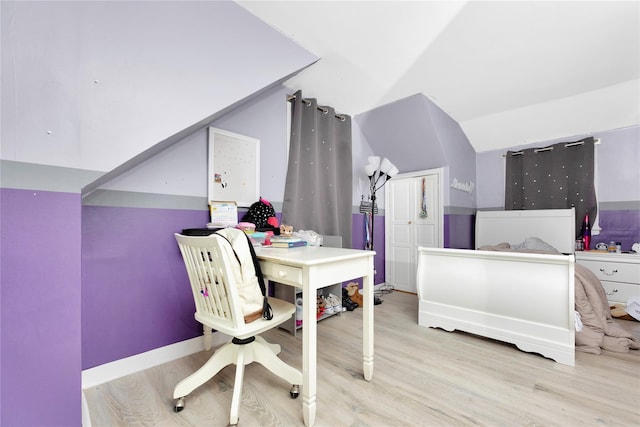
(619, 273)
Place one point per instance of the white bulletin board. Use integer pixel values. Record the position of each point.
(234, 167)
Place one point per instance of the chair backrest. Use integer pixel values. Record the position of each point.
(208, 260)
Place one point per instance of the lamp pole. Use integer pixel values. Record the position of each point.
(377, 170)
(373, 208)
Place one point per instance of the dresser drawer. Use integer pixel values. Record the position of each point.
(620, 292)
(614, 271)
(282, 273)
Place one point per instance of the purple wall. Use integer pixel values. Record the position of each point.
(134, 286)
(357, 242)
(40, 308)
(620, 226)
(459, 231)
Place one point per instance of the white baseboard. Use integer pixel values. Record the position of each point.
(129, 365)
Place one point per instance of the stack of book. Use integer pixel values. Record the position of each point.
(287, 242)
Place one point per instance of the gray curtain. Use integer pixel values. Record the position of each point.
(318, 188)
(556, 177)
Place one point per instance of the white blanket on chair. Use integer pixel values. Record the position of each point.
(244, 273)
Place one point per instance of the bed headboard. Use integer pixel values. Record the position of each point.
(555, 226)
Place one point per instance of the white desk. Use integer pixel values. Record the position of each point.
(312, 268)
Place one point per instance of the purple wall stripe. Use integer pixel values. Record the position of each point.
(620, 226)
(135, 294)
(459, 231)
(40, 308)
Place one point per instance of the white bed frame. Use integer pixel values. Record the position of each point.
(525, 299)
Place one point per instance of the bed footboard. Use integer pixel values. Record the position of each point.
(520, 298)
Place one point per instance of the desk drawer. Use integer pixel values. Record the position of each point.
(614, 271)
(620, 292)
(282, 273)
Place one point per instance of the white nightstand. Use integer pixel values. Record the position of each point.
(619, 273)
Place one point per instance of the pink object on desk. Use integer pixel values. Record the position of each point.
(247, 227)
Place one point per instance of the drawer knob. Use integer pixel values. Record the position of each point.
(282, 273)
(613, 291)
(608, 274)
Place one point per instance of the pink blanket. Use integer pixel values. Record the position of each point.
(599, 330)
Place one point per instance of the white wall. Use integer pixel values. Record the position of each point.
(90, 85)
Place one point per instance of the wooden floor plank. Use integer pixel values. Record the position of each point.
(422, 377)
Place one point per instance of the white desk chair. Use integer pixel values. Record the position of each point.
(209, 266)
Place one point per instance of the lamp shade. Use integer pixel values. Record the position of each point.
(370, 169)
(386, 165)
(375, 161)
(393, 172)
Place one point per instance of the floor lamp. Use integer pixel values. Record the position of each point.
(379, 172)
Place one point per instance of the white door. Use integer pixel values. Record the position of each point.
(406, 227)
(398, 233)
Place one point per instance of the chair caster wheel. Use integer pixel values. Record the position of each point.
(295, 391)
(179, 406)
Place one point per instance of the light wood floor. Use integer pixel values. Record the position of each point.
(422, 377)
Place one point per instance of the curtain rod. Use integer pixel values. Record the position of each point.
(290, 98)
(541, 150)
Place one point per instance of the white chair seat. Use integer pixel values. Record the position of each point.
(282, 311)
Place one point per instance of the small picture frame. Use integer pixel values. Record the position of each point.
(223, 214)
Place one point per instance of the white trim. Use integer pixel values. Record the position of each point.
(130, 365)
(595, 227)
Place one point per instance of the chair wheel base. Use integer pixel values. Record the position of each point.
(295, 391)
(179, 406)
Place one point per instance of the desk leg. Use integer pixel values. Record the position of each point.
(367, 324)
(309, 353)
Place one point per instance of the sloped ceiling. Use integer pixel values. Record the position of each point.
(509, 73)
